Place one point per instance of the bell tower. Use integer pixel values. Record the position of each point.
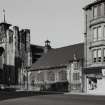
(47, 46)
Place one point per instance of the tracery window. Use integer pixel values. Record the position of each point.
(62, 75)
(40, 76)
(10, 36)
(76, 76)
(51, 76)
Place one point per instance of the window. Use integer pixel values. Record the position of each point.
(40, 76)
(76, 86)
(76, 76)
(99, 55)
(104, 55)
(75, 66)
(99, 29)
(94, 34)
(99, 9)
(51, 76)
(10, 36)
(62, 75)
(94, 55)
(97, 33)
(104, 32)
(95, 12)
(104, 8)
(10, 39)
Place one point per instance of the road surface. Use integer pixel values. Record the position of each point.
(57, 100)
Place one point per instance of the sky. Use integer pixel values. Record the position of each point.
(60, 21)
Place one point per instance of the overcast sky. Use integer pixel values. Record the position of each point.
(60, 21)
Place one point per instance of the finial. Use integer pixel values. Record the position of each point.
(4, 15)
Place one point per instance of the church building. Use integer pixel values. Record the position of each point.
(59, 69)
(15, 54)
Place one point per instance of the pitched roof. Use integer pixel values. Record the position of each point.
(59, 57)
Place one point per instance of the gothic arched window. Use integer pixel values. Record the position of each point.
(62, 75)
(40, 76)
(51, 76)
(10, 36)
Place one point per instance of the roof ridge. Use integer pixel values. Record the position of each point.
(69, 45)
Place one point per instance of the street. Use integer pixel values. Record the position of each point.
(57, 100)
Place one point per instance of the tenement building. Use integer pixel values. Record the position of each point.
(15, 54)
(94, 47)
(58, 69)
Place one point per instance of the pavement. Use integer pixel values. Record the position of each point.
(4, 95)
(89, 93)
(58, 99)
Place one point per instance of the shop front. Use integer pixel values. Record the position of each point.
(95, 80)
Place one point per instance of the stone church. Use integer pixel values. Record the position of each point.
(59, 69)
(15, 54)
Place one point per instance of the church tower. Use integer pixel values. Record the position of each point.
(14, 53)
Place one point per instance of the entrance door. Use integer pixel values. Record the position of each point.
(98, 88)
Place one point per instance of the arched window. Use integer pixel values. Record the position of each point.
(51, 76)
(40, 76)
(76, 76)
(75, 65)
(62, 75)
(10, 36)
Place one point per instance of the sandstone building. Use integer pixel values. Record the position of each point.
(94, 47)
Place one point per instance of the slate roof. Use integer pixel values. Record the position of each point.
(59, 57)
